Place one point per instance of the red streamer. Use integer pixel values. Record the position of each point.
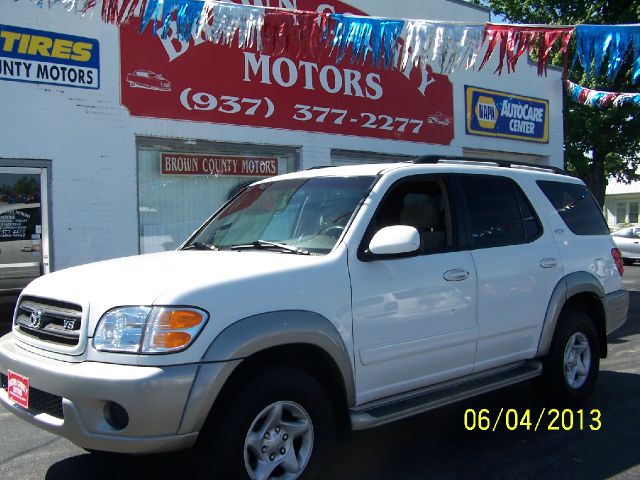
(117, 13)
(294, 33)
(515, 40)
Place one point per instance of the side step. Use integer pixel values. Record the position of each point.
(378, 413)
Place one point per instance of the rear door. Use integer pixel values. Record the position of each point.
(518, 266)
(23, 228)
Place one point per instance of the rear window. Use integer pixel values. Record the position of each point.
(498, 211)
(577, 207)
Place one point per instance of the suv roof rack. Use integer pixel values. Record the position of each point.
(433, 159)
(320, 167)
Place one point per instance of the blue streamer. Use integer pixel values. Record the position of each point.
(152, 12)
(595, 42)
(187, 15)
(366, 36)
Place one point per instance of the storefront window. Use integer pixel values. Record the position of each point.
(179, 188)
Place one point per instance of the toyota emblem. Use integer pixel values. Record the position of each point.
(35, 319)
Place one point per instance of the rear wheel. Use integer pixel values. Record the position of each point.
(278, 426)
(571, 367)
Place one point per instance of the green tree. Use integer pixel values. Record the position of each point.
(599, 144)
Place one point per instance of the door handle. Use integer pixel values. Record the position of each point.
(548, 263)
(456, 275)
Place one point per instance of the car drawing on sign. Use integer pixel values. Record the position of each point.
(148, 80)
(439, 118)
(628, 241)
(322, 301)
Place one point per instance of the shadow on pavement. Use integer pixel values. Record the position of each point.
(632, 325)
(437, 445)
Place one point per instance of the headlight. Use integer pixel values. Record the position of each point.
(148, 329)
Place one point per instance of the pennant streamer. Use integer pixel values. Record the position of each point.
(595, 42)
(516, 40)
(366, 36)
(294, 33)
(443, 46)
(221, 22)
(600, 100)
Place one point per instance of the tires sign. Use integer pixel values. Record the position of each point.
(36, 56)
(201, 81)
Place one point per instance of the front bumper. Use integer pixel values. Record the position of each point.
(153, 397)
(616, 306)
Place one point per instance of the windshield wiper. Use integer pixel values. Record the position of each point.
(266, 245)
(199, 246)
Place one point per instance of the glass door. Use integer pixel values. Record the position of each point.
(24, 230)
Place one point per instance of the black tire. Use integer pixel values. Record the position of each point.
(225, 446)
(628, 261)
(575, 328)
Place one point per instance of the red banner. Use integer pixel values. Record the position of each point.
(201, 81)
(192, 164)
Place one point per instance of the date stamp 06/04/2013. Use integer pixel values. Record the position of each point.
(550, 419)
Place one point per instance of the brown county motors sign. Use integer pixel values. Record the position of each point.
(193, 164)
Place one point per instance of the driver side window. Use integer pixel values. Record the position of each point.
(422, 204)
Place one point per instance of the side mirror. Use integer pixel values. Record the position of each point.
(395, 240)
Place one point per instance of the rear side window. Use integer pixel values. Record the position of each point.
(577, 207)
(499, 212)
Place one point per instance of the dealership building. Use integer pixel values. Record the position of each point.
(118, 143)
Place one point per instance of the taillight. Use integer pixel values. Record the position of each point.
(617, 257)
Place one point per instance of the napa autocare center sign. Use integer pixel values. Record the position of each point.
(200, 81)
(37, 56)
(499, 114)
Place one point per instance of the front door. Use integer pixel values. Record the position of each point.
(414, 319)
(24, 252)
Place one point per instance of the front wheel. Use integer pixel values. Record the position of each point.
(278, 426)
(571, 367)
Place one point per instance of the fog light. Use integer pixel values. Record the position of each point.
(116, 416)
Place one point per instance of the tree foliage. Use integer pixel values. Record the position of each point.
(599, 144)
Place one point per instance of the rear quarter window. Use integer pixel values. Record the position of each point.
(577, 207)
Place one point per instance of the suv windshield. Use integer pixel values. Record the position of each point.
(308, 214)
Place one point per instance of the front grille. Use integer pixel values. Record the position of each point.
(43, 402)
(49, 320)
(39, 401)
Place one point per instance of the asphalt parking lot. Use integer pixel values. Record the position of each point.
(601, 442)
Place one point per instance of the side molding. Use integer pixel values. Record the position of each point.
(572, 284)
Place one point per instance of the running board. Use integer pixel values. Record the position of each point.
(389, 410)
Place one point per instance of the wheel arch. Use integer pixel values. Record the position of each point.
(301, 339)
(579, 290)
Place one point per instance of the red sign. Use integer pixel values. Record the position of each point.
(191, 164)
(18, 389)
(201, 81)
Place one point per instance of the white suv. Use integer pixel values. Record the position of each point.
(360, 294)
